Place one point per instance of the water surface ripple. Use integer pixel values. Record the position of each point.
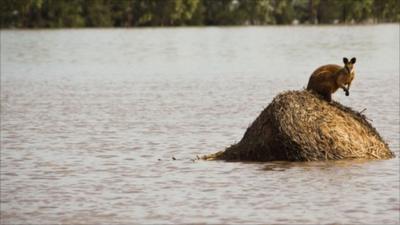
(91, 118)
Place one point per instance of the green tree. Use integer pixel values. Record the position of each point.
(355, 10)
(58, 13)
(386, 10)
(219, 12)
(283, 11)
(127, 13)
(254, 12)
(98, 13)
(167, 12)
(19, 13)
(122, 13)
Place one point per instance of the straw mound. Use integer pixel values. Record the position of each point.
(301, 126)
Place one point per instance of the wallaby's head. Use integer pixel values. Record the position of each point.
(349, 65)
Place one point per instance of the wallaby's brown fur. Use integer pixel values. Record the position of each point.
(327, 79)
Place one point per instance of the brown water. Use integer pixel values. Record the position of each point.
(91, 118)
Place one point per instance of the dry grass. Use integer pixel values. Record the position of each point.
(301, 126)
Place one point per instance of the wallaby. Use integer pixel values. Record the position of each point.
(327, 79)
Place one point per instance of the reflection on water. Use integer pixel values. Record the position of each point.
(324, 165)
(90, 121)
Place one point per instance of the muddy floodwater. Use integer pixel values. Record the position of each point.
(91, 119)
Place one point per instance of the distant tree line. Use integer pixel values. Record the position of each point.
(134, 13)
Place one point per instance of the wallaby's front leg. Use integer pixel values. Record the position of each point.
(346, 90)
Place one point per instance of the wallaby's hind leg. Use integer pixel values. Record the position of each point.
(327, 97)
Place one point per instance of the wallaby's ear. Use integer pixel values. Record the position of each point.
(353, 60)
(345, 60)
